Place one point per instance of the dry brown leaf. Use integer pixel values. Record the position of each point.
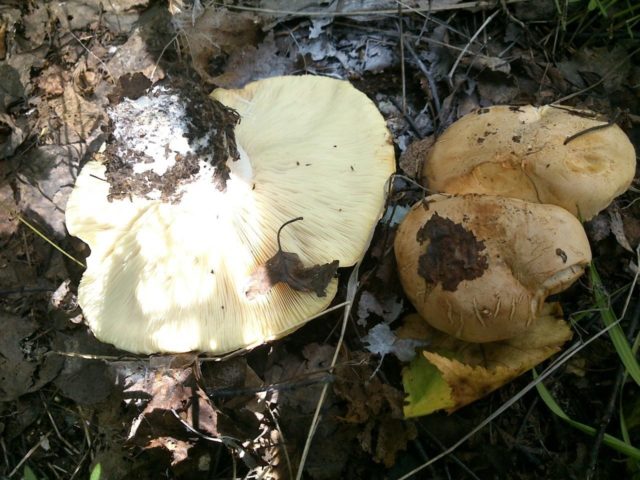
(286, 267)
(249, 63)
(376, 407)
(134, 56)
(215, 34)
(23, 366)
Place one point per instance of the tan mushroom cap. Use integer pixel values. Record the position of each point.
(172, 277)
(480, 267)
(520, 152)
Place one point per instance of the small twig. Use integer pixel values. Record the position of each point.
(284, 441)
(249, 347)
(406, 116)
(466, 47)
(611, 72)
(352, 289)
(402, 69)
(592, 129)
(611, 404)
(77, 469)
(26, 457)
(98, 178)
(297, 219)
(433, 7)
(84, 427)
(455, 458)
(40, 234)
(74, 450)
(274, 387)
(88, 356)
(26, 248)
(153, 72)
(430, 80)
(5, 455)
(106, 69)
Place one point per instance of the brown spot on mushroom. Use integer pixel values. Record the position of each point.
(453, 253)
(480, 140)
(516, 138)
(561, 254)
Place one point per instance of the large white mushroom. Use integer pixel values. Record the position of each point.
(183, 272)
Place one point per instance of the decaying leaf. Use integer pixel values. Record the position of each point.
(287, 267)
(382, 341)
(45, 179)
(24, 367)
(617, 228)
(251, 63)
(215, 34)
(454, 373)
(376, 408)
(387, 305)
(178, 412)
(11, 136)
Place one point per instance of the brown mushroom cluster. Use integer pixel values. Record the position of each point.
(480, 263)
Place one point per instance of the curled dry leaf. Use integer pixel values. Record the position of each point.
(453, 373)
(287, 267)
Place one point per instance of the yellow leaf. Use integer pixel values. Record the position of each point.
(453, 373)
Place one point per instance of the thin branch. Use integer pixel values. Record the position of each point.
(471, 40)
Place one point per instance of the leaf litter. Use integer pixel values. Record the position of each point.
(61, 63)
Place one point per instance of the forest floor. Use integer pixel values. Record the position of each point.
(69, 403)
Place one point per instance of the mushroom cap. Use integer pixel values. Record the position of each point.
(172, 276)
(520, 152)
(480, 267)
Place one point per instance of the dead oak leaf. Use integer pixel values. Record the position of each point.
(286, 267)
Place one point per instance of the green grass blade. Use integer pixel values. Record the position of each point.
(96, 472)
(609, 440)
(616, 333)
(28, 474)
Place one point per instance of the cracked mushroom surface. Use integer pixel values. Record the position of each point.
(480, 267)
(174, 269)
(547, 154)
